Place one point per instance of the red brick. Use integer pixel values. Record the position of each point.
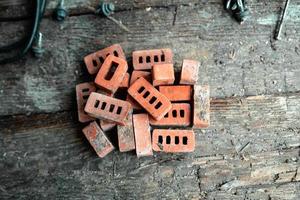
(135, 105)
(163, 74)
(126, 135)
(201, 110)
(83, 91)
(156, 104)
(179, 115)
(137, 74)
(107, 125)
(125, 81)
(111, 73)
(142, 135)
(189, 72)
(107, 93)
(95, 60)
(177, 92)
(104, 107)
(97, 139)
(173, 141)
(145, 59)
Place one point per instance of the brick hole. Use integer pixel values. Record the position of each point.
(181, 113)
(152, 100)
(162, 57)
(160, 139)
(111, 108)
(167, 115)
(116, 53)
(119, 110)
(141, 89)
(146, 94)
(111, 71)
(168, 140)
(85, 97)
(176, 139)
(140, 59)
(174, 113)
(96, 103)
(148, 59)
(95, 64)
(156, 58)
(185, 140)
(107, 54)
(103, 105)
(85, 90)
(158, 105)
(101, 59)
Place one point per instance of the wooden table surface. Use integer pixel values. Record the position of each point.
(251, 150)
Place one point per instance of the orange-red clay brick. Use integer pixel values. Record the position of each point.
(111, 73)
(107, 125)
(137, 74)
(97, 139)
(177, 92)
(201, 110)
(83, 91)
(142, 135)
(125, 81)
(179, 115)
(104, 107)
(189, 72)
(145, 59)
(173, 141)
(95, 60)
(156, 104)
(126, 135)
(163, 74)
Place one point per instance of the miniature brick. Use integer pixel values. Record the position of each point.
(173, 141)
(137, 74)
(177, 92)
(145, 59)
(95, 60)
(163, 74)
(201, 115)
(104, 107)
(156, 104)
(97, 139)
(126, 135)
(83, 92)
(179, 115)
(142, 135)
(111, 73)
(107, 125)
(135, 105)
(125, 81)
(189, 72)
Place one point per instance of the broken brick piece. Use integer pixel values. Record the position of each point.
(125, 81)
(83, 92)
(97, 139)
(126, 135)
(156, 104)
(179, 115)
(189, 72)
(145, 59)
(95, 60)
(137, 74)
(111, 73)
(173, 141)
(163, 74)
(135, 105)
(142, 135)
(104, 107)
(107, 125)
(201, 110)
(177, 92)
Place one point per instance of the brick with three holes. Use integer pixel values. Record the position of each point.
(126, 135)
(163, 74)
(111, 73)
(179, 115)
(97, 139)
(104, 107)
(83, 91)
(177, 92)
(95, 60)
(142, 135)
(156, 104)
(173, 141)
(189, 72)
(201, 108)
(145, 59)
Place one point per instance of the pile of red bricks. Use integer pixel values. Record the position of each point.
(152, 102)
